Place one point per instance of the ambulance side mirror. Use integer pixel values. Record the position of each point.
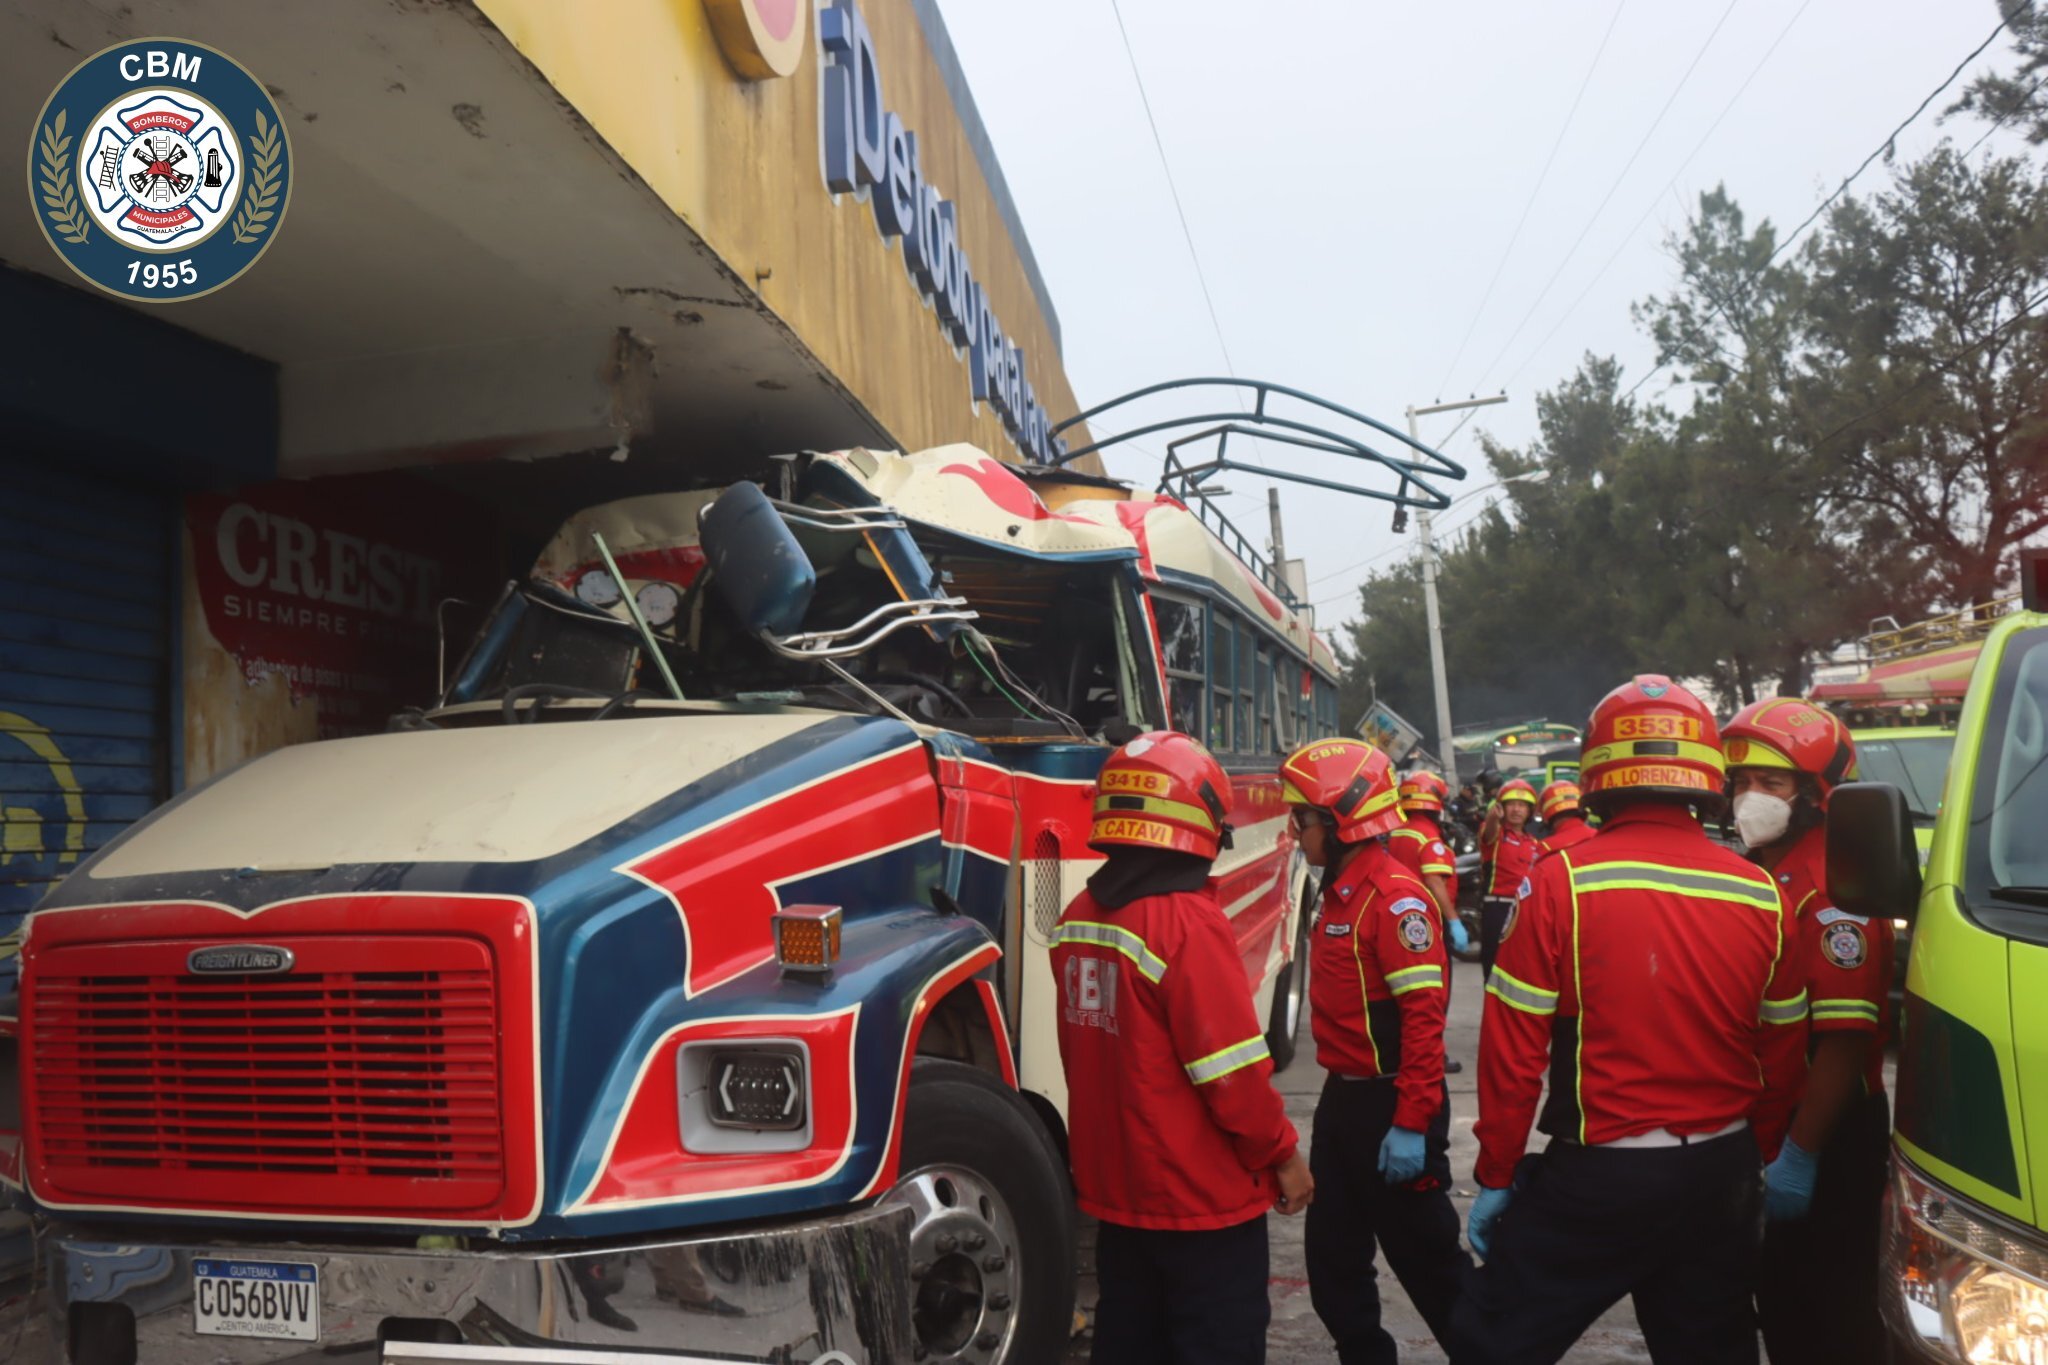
(1873, 860)
(757, 567)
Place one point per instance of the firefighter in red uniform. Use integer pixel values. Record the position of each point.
(1818, 1293)
(1563, 811)
(1179, 1142)
(1646, 975)
(1376, 990)
(1510, 849)
(1418, 844)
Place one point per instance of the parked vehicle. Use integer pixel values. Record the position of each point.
(1966, 1247)
(678, 980)
(1508, 749)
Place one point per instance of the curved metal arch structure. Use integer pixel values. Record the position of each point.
(1414, 469)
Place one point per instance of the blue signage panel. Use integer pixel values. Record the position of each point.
(869, 148)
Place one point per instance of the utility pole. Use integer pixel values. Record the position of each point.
(1279, 542)
(1445, 754)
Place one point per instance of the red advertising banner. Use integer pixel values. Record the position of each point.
(334, 584)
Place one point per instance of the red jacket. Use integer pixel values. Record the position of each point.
(1419, 846)
(1648, 974)
(1843, 960)
(1376, 982)
(1574, 833)
(1508, 858)
(1172, 1118)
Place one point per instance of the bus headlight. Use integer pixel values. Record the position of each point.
(1962, 1283)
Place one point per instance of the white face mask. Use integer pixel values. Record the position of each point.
(1761, 818)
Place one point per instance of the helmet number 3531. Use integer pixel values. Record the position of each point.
(160, 169)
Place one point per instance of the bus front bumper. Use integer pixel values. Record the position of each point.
(834, 1291)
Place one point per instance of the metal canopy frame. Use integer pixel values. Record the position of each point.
(1414, 470)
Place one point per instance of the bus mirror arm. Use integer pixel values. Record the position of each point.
(1873, 861)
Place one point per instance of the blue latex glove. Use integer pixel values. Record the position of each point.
(1401, 1155)
(1461, 937)
(1486, 1212)
(1788, 1183)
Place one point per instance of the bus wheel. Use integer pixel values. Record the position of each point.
(992, 1236)
(1290, 993)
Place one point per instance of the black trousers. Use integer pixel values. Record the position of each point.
(1493, 922)
(1675, 1228)
(1182, 1298)
(1817, 1294)
(1356, 1212)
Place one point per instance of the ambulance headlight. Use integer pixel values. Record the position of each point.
(2002, 1318)
(1961, 1282)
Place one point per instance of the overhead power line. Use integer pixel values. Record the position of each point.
(1608, 197)
(1669, 188)
(1530, 203)
(1884, 147)
(1180, 211)
(2019, 102)
(1892, 138)
(1172, 188)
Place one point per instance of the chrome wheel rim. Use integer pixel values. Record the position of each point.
(963, 1264)
(1297, 989)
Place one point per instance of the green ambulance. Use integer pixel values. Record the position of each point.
(1965, 1273)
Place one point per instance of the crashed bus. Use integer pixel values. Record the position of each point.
(679, 978)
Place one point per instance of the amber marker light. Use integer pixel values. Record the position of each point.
(807, 937)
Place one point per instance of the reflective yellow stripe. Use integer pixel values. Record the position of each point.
(1520, 994)
(1845, 1009)
(1439, 869)
(1374, 805)
(1571, 881)
(1654, 750)
(1112, 803)
(1219, 1064)
(1358, 964)
(1427, 977)
(1150, 965)
(1787, 1011)
(1677, 881)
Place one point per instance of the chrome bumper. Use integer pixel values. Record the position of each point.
(832, 1292)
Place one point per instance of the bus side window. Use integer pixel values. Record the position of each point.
(1222, 655)
(1285, 702)
(1246, 730)
(1262, 691)
(1181, 641)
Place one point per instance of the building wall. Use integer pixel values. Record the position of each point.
(742, 163)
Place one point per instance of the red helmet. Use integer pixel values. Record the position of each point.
(1515, 789)
(1161, 790)
(1350, 779)
(1651, 737)
(1558, 798)
(1787, 732)
(1424, 791)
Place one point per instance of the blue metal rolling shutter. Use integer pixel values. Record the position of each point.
(86, 579)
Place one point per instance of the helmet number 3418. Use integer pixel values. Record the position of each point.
(160, 169)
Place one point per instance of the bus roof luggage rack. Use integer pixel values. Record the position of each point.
(1326, 427)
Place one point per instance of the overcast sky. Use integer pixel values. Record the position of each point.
(1353, 171)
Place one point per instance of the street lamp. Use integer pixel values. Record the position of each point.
(1429, 571)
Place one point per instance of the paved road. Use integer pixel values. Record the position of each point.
(1297, 1336)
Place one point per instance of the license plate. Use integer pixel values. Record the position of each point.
(277, 1300)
